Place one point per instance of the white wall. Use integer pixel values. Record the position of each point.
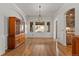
(2, 41)
(42, 34)
(62, 21)
(61, 25)
(77, 20)
(6, 10)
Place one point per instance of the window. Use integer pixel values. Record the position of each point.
(48, 25)
(31, 26)
(39, 27)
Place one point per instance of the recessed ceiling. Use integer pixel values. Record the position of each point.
(32, 9)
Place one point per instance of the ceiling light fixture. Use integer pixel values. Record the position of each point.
(39, 15)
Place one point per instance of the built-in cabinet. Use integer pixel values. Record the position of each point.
(70, 25)
(75, 45)
(16, 32)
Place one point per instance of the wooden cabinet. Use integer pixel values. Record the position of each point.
(16, 35)
(69, 37)
(75, 46)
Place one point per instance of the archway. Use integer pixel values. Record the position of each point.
(70, 27)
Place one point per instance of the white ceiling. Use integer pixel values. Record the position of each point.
(32, 9)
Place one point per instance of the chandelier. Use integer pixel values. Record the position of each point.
(39, 15)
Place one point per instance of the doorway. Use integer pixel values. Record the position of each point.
(70, 25)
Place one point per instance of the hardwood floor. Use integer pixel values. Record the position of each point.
(43, 47)
(65, 50)
(34, 47)
(40, 47)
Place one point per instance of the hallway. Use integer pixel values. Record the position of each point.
(39, 29)
(35, 47)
